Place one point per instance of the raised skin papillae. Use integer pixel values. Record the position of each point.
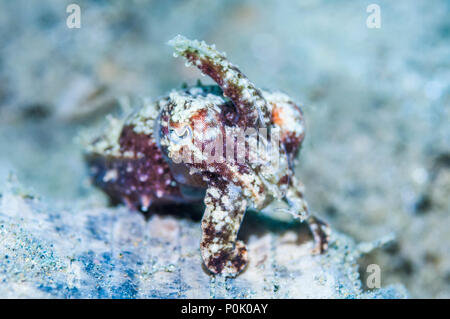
(141, 166)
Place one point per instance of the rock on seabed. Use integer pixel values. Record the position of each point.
(102, 252)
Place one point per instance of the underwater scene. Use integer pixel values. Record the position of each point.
(224, 149)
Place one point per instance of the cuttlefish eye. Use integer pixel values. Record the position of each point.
(180, 134)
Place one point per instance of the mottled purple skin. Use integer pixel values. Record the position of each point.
(144, 175)
(141, 182)
(149, 180)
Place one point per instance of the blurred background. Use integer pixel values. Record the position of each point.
(376, 158)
